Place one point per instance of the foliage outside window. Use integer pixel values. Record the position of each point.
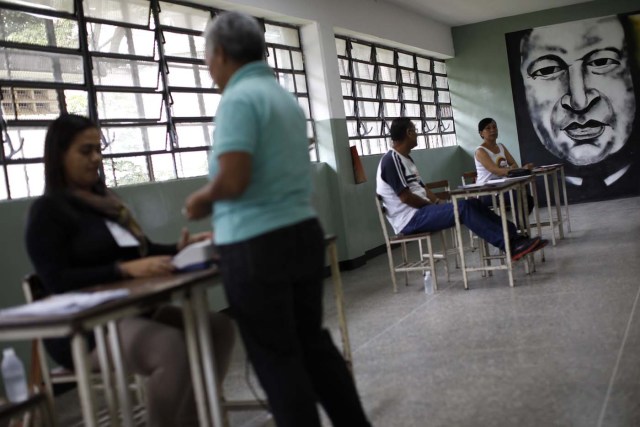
(381, 83)
(134, 66)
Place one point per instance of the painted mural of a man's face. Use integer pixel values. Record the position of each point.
(579, 88)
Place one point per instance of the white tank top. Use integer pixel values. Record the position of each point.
(499, 159)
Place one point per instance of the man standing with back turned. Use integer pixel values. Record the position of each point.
(412, 208)
(271, 243)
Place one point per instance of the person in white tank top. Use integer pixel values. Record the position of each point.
(493, 160)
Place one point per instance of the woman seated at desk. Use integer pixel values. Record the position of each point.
(493, 160)
(79, 234)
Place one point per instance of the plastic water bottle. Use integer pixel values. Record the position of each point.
(428, 283)
(15, 380)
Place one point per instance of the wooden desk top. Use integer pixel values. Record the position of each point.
(145, 292)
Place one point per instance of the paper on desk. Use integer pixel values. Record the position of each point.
(502, 180)
(67, 303)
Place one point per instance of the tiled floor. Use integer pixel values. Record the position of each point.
(560, 348)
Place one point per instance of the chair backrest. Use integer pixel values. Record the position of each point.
(440, 188)
(469, 177)
(383, 219)
(33, 288)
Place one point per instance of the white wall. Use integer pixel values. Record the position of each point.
(373, 18)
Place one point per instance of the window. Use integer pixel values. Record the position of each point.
(136, 67)
(381, 83)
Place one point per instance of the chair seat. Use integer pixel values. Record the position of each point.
(408, 237)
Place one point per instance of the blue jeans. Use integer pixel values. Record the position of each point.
(274, 285)
(473, 213)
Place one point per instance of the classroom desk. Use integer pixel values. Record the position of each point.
(187, 288)
(498, 189)
(556, 172)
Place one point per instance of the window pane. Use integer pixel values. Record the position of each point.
(304, 104)
(175, 15)
(439, 67)
(352, 128)
(3, 186)
(346, 87)
(348, 107)
(193, 163)
(22, 27)
(183, 45)
(412, 110)
(134, 139)
(387, 74)
(424, 64)
(409, 77)
(410, 93)
(19, 64)
(343, 64)
(444, 96)
(25, 143)
(429, 111)
(281, 35)
(131, 11)
(392, 109)
(189, 75)
(297, 60)
(113, 39)
(282, 59)
(77, 102)
(368, 109)
(366, 90)
(129, 105)
(405, 60)
(125, 171)
(163, 167)
(390, 92)
(301, 83)
(446, 111)
(442, 82)
(435, 141)
(384, 56)
(26, 180)
(123, 72)
(286, 81)
(59, 5)
(195, 104)
(361, 52)
(425, 80)
(30, 104)
(341, 47)
(194, 134)
(428, 95)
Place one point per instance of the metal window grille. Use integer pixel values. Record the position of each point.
(135, 67)
(380, 83)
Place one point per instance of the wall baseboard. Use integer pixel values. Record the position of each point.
(352, 264)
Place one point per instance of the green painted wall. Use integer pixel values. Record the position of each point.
(479, 74)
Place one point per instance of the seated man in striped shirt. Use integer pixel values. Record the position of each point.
(412, 208)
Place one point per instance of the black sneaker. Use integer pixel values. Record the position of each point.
(522, 247)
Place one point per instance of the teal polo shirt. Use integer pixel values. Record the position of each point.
(257, 116)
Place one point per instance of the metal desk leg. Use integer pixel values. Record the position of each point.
(194, 361)
(124, 395)
(524, 210)
(337, 290)
(566, 201)
(85, 392)
(505, 233)
(536, 207)
(556, 195)
(463, 266)
(207, 353)
(105, 370)
(549, 211)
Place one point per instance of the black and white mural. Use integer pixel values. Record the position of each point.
(576, 92)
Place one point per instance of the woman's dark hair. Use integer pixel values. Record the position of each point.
(483, 123)
(60, 134)
(399, 127)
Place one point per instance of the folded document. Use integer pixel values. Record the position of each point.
(67, 303)
(196, 256)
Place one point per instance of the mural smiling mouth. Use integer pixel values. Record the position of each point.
(589, 130)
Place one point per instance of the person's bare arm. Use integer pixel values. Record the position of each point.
(232, 180)
(407, 197)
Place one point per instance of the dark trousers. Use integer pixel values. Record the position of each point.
(473, 213)
(274, 287)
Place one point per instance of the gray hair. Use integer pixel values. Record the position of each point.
(239, 35)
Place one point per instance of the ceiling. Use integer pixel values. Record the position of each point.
(462, 12)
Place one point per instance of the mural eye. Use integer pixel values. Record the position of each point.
(602, 65)
(546, 68)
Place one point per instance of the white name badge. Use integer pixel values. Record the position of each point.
(121, 235)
